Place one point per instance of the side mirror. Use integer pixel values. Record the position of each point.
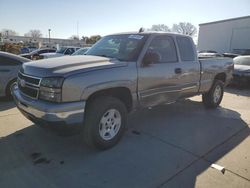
(151, 57)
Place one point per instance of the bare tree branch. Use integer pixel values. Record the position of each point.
(34, 34)
(185, 28)
(74, 37)
(159, 27)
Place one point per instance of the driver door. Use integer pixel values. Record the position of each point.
(158, 82)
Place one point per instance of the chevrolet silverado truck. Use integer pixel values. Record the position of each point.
(119, 74)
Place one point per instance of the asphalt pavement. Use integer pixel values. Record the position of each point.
(166, 146)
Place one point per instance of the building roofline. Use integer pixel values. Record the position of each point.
(19, 36)
(221, 21)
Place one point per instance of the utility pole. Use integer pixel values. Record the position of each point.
(77, 29)
(49, 35)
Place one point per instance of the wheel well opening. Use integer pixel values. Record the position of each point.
(121, 93)
(8, 86)
(221, 76)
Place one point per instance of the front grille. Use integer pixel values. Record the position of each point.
(28, 85)
(33, 93)
(29, 79)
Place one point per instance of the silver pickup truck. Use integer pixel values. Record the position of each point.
(119, 74)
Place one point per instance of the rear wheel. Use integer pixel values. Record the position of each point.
(212, 99)
(104, 122)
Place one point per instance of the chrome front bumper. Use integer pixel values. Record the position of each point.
(42, 112)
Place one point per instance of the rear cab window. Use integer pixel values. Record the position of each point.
(186, 48)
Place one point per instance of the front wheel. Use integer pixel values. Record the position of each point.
(104, 122)
(213, 97)
(9, 87)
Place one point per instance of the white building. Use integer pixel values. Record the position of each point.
(44, 42)
(230, 35)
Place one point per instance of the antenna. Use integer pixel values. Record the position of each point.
(141, 30)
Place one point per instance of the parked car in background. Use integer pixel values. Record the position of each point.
(81, 51)
(32, 48)
(9, 67)
(208, 53)
(60, 52)
(24, 50)
(231, 55)
(119, 74)
(241, 74)
(237, 52)
(34, 55)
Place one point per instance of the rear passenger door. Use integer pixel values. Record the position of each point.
(159, 82)
(189, 76)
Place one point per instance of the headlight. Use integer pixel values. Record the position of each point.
(52, 82)
(50, 89)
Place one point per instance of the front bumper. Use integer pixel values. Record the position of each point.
(46, 113)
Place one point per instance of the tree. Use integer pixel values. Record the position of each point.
(8, 32)
(185, 28)
(74, 37)
(34, 34)
(92, 39)
(159, 27)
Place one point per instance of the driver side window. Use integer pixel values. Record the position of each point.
(164, 46)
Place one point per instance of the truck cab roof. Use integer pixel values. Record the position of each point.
(150, 33)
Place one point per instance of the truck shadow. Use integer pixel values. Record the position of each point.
(239, 91)
(6, 103)
(158, 149)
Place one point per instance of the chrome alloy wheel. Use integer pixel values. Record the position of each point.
(217, 94)
(110, 124)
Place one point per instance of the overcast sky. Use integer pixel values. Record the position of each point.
(111, 16)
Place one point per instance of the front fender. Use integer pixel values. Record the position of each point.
(88, 91)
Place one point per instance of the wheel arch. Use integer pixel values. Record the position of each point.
(122, 93)
(9, 84)
(221, 76)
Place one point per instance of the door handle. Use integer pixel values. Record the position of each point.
(178, 71)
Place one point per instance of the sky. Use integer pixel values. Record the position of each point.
(111, 16)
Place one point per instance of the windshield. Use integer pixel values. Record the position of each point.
(81, 51)
(61, 50)
(123, 47)
(242, 60)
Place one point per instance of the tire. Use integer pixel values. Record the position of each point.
(8, 88)
(104, 123)
(213, 98)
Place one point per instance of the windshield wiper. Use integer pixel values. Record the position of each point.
(103, 55)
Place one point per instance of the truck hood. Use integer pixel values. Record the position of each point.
(68, 65)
